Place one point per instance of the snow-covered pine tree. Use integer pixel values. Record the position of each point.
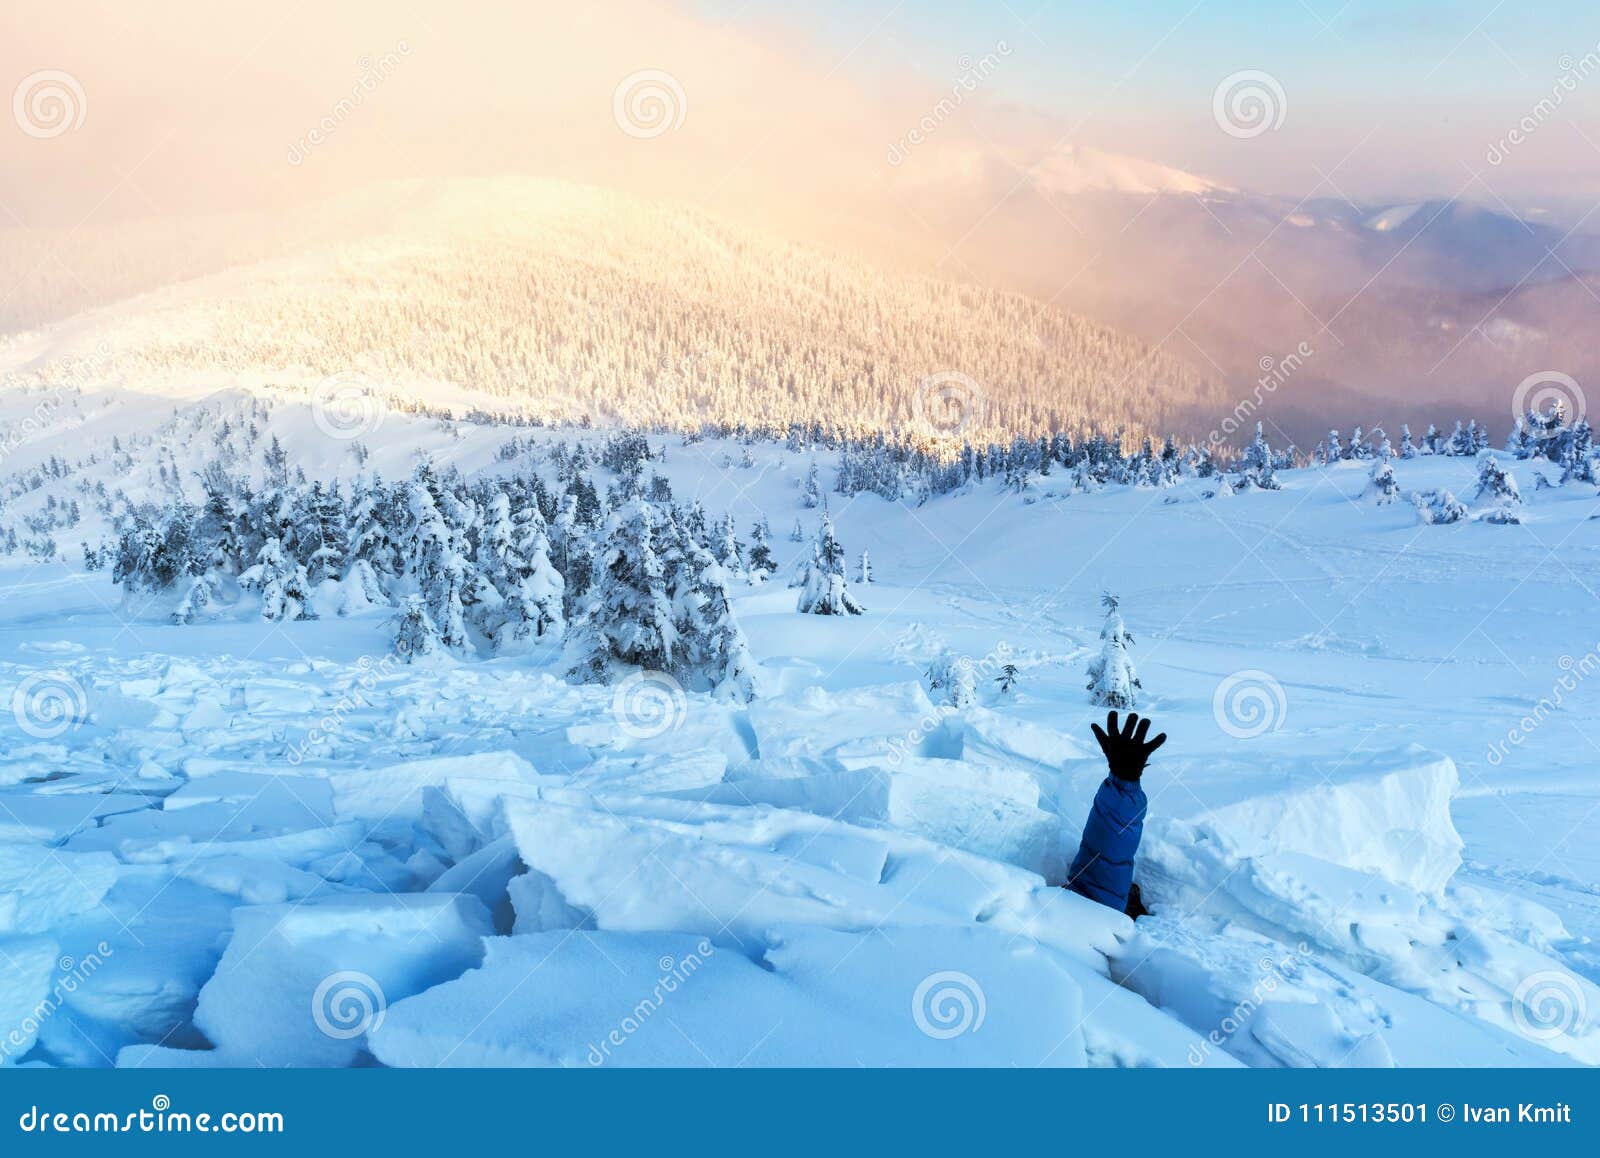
(1433, 441)
(865, 574)
(726, 547)
(1010, 675)
(412, 632)
(951, 680)
(1258, 454)
(1113, 683)
(825, 591)
(534, 606)
(760, 563)
(436, 560)
(1382, 488)
(798, 535)
(628, 616)
(282, 583)
(811, 493)
(712, 646)
(1408, 449)
(1494, 484)
(1332, 449)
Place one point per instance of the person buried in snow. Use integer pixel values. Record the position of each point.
(1103, 868)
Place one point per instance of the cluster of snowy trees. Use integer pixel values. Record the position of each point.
(499, 565)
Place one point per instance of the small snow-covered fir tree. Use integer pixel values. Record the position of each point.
(629, 617)
(412, 632)
(282, 583)
(951, 680)
(825, 591)
(535, 605)
(1010, 675)
(864, 572)
(1332, 449)
(1113, 683)
(760, 562)
(1495, 485)
(1438, 507)
(712, 646)
(798, 535)
(1408, 449)
(1382, 488)
(811, 493)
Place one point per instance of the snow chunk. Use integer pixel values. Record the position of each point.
(862, 721)
(27, 965)
(925, 997)
(40, 888)
(395, 792)
(303, 984)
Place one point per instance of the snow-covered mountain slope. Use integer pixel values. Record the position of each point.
(567, 302)
(1371, 841)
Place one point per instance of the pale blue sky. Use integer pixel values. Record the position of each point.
(1439, 81)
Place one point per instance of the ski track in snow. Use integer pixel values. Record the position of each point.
(475, 864)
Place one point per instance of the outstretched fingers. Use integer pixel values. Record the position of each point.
(1161, 738)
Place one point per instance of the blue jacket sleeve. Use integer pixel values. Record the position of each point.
(1103, 868)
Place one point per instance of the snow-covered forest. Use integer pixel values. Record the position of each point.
(452, 741)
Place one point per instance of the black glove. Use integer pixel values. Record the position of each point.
(1126, 751)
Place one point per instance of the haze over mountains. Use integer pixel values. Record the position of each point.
(1094, 291)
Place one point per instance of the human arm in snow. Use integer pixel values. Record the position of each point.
(1103, 868)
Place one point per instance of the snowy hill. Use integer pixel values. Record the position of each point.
(567, 303)
(1371, 836)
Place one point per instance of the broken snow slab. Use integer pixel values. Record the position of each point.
(1386, 813)
(923, 997)
(28, 968)
(985, 810)
(1272, 1004)
(303, 985)
(42, 887)
(864, 722)
(394, 792)
(50, 818)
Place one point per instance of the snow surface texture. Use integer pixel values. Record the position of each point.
(246, 843)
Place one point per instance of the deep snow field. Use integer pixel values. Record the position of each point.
(244, 843)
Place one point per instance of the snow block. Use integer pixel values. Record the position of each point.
(51, 819)
(27, 972)
(925, 997)
(41, 888)
(1387, 814)
(394, 793)
(302, 985)
(986, 811)
(865, 722)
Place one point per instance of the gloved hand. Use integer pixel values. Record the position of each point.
(1126, 751)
